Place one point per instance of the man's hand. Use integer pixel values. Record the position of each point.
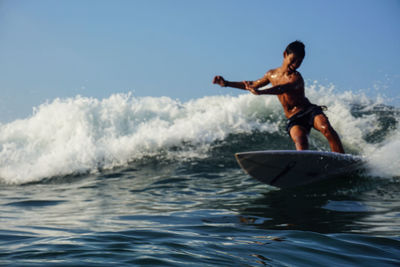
(220, 81)
(249, 86)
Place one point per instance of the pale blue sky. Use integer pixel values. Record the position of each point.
(173, 48)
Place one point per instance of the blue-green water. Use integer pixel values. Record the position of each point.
(89, 183)
(185, 215)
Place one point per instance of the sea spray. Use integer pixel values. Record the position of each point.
(80, 135)
(367, 127)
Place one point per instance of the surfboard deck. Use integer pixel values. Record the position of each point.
(290, 168)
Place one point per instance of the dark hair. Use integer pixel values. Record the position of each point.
(297, 48)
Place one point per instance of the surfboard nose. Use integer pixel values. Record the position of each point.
(238, 156)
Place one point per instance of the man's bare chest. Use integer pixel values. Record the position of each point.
(277, 79)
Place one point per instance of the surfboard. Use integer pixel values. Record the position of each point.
(290, 168)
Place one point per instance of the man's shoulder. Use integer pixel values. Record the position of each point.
(271, 72)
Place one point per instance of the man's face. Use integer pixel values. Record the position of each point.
(293, 62)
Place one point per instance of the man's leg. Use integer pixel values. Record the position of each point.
(321, 123)
(299, 137)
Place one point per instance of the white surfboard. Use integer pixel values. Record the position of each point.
(290, 168)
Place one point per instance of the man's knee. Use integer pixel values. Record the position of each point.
(328, 131)
(321, 123)
(300, 140)
(303, 143)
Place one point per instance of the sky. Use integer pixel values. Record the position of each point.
(96, 48)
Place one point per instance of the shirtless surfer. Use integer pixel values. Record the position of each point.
(288, 85)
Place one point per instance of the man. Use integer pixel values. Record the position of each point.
(288, 85)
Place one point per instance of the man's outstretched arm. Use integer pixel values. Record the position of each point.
(224, 83)
(241, 85)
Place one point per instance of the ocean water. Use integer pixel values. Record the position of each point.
(130, 181)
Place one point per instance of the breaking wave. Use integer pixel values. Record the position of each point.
(82, 135)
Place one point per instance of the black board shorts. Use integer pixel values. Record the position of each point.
(305, 118)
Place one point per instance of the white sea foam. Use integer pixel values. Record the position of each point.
(383, 157)
(78, 135)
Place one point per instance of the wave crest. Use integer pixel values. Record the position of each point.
(80, 134)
